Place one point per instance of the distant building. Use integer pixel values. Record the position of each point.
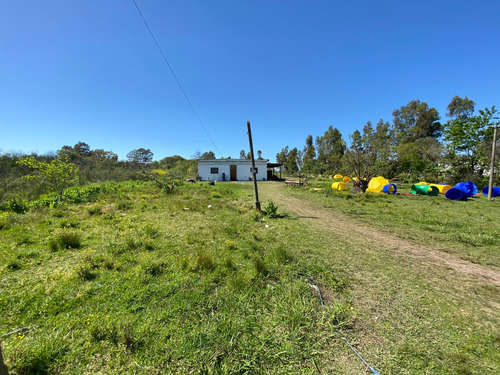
(231, 170)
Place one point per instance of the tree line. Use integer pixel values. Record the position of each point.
(416, 145)
(29, 176)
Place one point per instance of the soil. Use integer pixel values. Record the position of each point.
(346, 228)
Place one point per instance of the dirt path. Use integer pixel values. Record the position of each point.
(345, 228)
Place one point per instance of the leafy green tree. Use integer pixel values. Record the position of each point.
(460, 108)
(171, 161)
(101, 156)
(417, 129)
(82, 149)
(370, 153)
(468, 145)
(54, 176)
(140, 156)
(415, 121)
(282, 156)
(259, 155)
(309, 155)
(330, 148)
(210, 155)
(291, 163)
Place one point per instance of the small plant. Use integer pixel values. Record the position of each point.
(204, 261)
(282, 255)
(228, 263)
(65, 240)
(58, 213)
(94, 210)
(152, 232)
(13, 265)
(85, 272)
(133, 244)
(18, 206)
(155, 269)
(271, 210)
(124, 205)
(260, 266)
(71, 223)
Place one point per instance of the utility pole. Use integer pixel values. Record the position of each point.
(254, 172)
(492, 168)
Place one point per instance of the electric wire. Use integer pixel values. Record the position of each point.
(176, 79)
(322, 301)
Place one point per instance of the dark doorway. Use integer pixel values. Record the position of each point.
(233, 172)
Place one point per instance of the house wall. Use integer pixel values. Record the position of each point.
(224, 167)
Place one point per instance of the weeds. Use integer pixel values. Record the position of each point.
(86, 272)
(271, 210)
(65, 240)
(204, 261)
(214, 291)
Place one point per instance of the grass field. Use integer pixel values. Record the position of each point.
(470, 229)
(139, 281)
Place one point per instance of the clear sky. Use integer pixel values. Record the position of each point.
(89, 71)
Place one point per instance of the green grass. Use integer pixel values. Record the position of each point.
(198, 282)
(469, 229)
(144, 282)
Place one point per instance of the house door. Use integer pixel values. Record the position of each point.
(233, 172)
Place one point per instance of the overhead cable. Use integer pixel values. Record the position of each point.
(176, 79)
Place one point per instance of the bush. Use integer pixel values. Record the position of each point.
(271, 210)
(19, 206)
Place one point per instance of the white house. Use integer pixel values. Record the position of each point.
(231, 170)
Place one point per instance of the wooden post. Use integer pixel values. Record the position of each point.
(257, 203)
(492, 168)
(3, 367)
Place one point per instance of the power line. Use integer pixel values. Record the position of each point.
(177, 80)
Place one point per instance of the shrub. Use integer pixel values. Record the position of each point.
(19, 206)
(14, 265)
(271, 210)
(48, 200)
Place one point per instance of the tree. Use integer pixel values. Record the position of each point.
(171, 161)
(291, 163)
(415, 121)
(210, 155)
(468, 145)
(330, 148)
(53, 176)
(82, 149)
(417, 129)
(140, 156)
(460, 108)
(243, 154)
(101, 156)
(370, 153)
(282, 156)
(309, 155)
(259, 155)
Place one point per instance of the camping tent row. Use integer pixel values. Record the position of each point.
(233, 170)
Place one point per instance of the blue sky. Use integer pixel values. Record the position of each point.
(89, 71)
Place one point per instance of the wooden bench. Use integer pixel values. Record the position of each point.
(294, 183)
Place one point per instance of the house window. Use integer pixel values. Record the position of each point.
(256, 170)
(214, 170)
